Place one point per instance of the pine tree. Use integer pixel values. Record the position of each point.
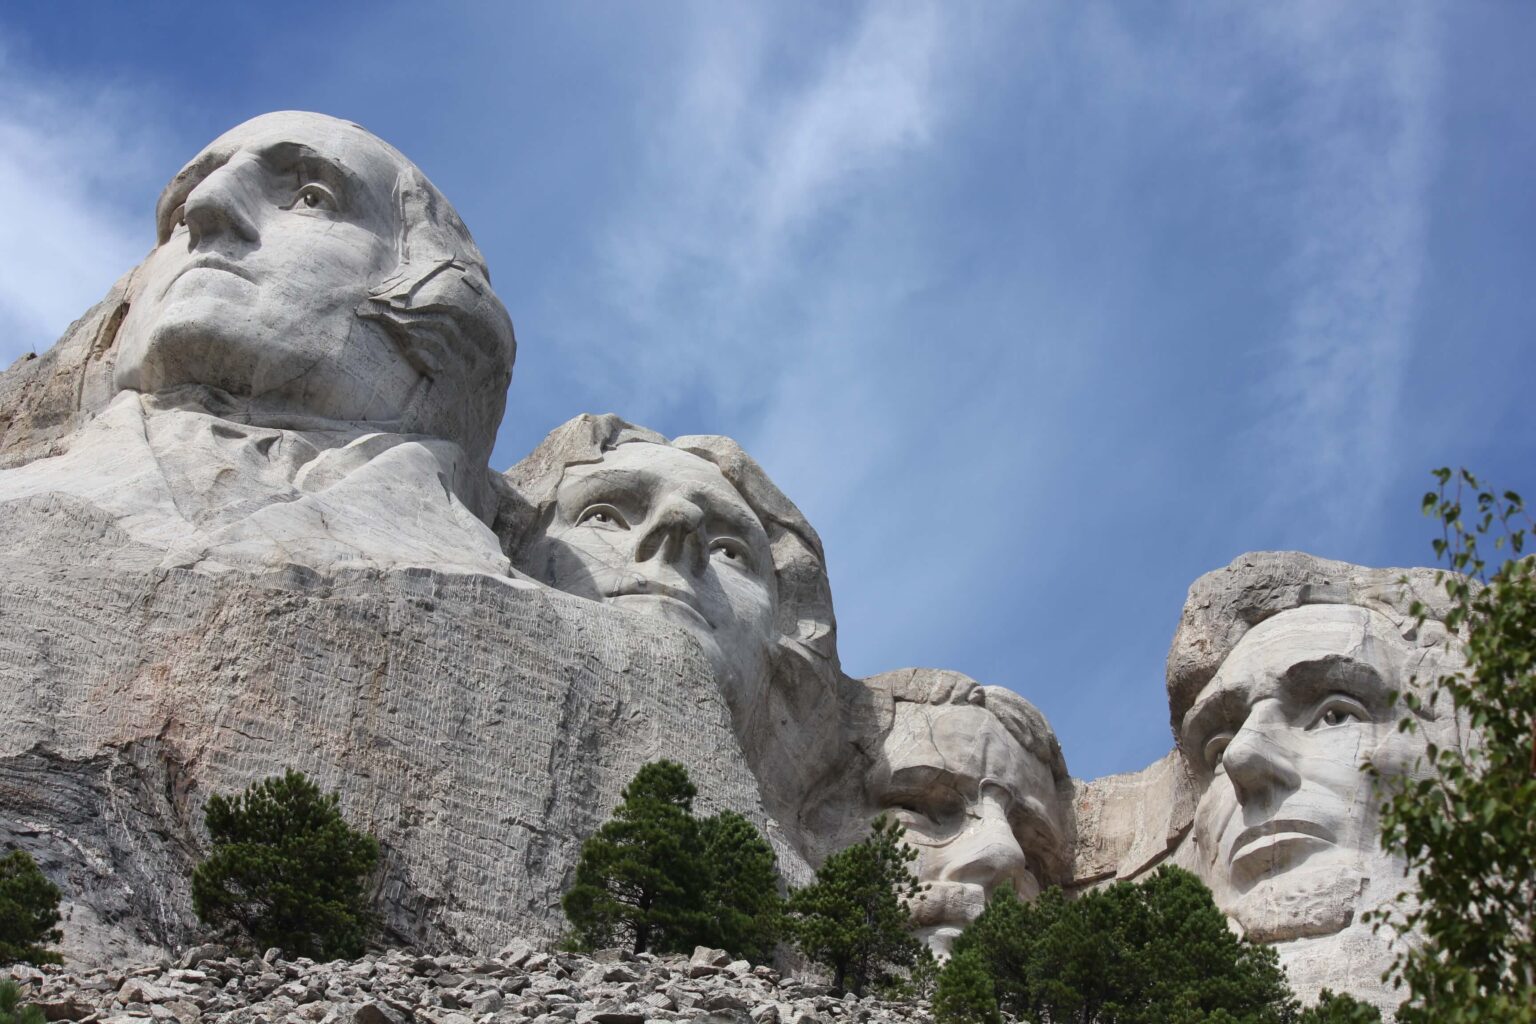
(742, 898)
(640, 879)
(1147, 953)
(965, 994)
(11, 1010)
(855, 918)
(29, 909)
(286, 870)
(1333, 1008)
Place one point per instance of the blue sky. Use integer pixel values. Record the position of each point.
(1039, 311)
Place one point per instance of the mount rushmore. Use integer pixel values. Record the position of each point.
(250, 524)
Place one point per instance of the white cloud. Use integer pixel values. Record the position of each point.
(1363, 123)
(74, 170)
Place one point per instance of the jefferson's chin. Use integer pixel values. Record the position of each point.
(1301, 903)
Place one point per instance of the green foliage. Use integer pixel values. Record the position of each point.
(856, 918)
(640, 880)
(965, 993)
(11, 1010)
(286, 870)
(1127, 954)
(1468, 833)
(1333, 1008)
(742, 898)
(29, 909)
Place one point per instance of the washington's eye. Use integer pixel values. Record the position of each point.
(178, 216)
(313, 196)
(1339, 710)
(604, 517)
(1215, 747)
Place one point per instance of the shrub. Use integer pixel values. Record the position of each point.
(29, 909)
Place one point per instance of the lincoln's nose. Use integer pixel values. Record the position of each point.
(1258, 761)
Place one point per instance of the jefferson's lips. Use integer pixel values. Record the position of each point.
(650, 588)
(1282, 831)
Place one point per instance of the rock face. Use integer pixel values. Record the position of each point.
(399, 987)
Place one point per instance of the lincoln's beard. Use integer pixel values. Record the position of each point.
(1301, 903)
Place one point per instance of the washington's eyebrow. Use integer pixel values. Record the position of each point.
(295, 156)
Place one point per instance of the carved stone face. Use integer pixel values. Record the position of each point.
(1286, 829)
(979, 809)
(284, 225)
(658, 531)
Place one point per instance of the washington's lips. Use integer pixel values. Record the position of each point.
(650, 588)
(211, 261)
(1277, 832)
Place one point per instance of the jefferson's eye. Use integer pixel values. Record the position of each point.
(1214, 748)
(313, 196)
(732, 551)
(604, 517)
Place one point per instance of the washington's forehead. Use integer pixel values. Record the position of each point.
(326, 137)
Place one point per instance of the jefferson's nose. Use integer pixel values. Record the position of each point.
(1257, 760)
(988, 854)
(220, 204)
(669, 532)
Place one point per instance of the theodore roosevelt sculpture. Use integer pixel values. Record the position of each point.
(975, 776)
(1281, 684)
(311, 369)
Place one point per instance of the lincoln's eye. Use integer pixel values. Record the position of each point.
(1339, 709)
(1215, 747)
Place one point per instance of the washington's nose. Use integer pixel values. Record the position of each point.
(1258, 763)
(670, 531)
(219, 205)
(989, 854)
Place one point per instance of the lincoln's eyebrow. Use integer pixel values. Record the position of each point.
(1308, 681)
(1225, 708)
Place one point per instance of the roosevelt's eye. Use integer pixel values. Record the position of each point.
(313, 196)
(1215, 747)
(1339, 710)
(603, 517)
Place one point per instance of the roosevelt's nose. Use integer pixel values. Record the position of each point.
(220, 204)
(1257, 759)
(988, 854)
(672, 534)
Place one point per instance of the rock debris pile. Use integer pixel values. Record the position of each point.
(210, 984)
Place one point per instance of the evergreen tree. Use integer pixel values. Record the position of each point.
(29, 909)
(640, 879)
(1147, 953)
(856, 917)
(286, 870)
(11, 1010)
(1333, 1008)
(742, 899)
(965, 994)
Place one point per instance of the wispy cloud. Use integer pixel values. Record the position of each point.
(75, 171)
(748, 161)
(1361, 119)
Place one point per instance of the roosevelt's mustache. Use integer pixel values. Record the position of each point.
(956, 903)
